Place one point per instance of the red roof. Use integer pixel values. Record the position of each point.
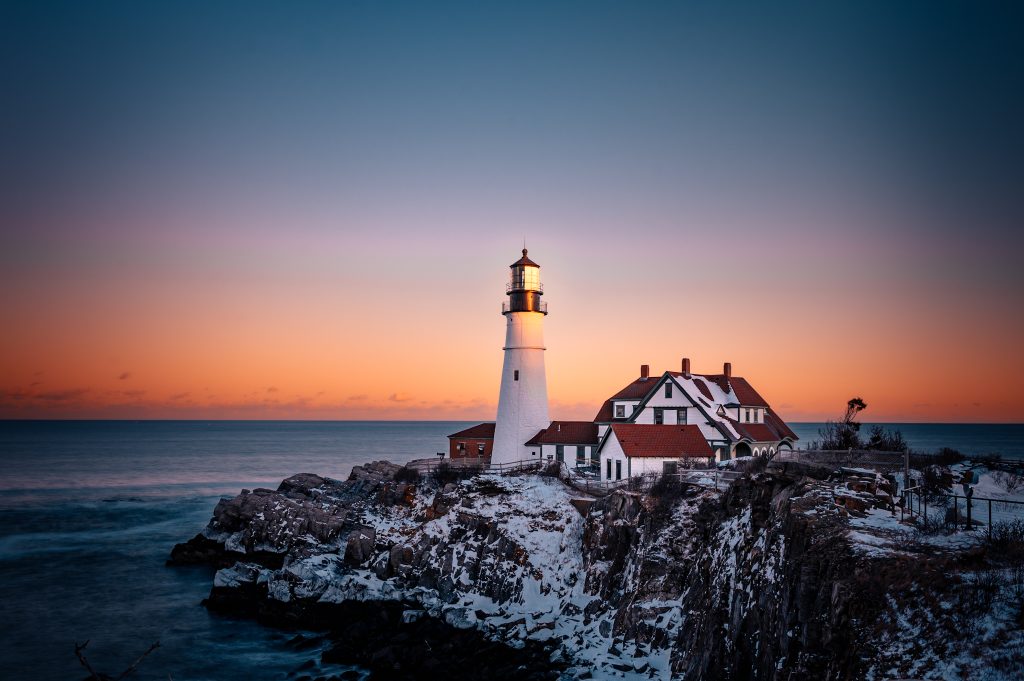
(535, 440)
(638, 439)
(637, 390)
(778, 425)
(771, 430)
(745, 393)
(481, 431)
(568, 433)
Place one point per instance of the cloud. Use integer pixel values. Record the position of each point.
(272, 389)
(179, 396)
(134, 394)
(399, 397)
(124, 376)
(358, 398)
(62, 395)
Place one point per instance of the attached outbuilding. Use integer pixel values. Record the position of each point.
(572, 442)
(475, 442)
(632, 449)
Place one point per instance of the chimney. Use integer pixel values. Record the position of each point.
(645, 372)
(686, 367)
(727, 370)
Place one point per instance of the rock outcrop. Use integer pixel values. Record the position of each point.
(767, 580)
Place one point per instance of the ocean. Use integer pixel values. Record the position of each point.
(89, 511)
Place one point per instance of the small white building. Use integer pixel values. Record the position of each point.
(571, 442)
(631, 449)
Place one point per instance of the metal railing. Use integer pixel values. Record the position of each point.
(921, 496)
(542, 307)
(523, 286)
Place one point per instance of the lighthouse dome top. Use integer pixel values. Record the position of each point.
(524, 261)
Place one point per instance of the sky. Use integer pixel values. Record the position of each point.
(307, 209)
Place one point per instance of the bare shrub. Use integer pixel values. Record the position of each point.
(445, 473)
(883, 440)
(407, 474)
(1009, 480)
(1007, 540)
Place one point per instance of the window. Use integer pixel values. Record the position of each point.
(581, 454)
(620, 411)
(681, 417)
(560, 453)
(480, 449)
(668, 390)
(748, 415)
(608, 475)
(618, 470)
(659, 416)
(460, 446)
(515, 375)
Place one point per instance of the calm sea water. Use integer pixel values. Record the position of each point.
(89, 511)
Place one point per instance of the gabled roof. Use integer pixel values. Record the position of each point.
(772, 429)
(636, 390)
(567, 433)
(778, 425)
(535, 440)
(644, 440)
(481, 431)
(606, 414)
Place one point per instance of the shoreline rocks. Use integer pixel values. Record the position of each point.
(514, 576)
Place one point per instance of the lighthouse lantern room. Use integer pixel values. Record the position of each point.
(523, 400)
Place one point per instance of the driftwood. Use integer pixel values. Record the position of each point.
(99, 676)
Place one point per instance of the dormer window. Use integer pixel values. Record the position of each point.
(668, 390)
(620, 411)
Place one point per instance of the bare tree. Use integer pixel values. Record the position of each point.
(844, 433)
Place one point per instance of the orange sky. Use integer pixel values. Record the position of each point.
(329, 330)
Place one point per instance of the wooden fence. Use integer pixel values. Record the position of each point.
(881, 461)
(704, 477)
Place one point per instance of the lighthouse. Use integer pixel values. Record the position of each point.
(523, 401)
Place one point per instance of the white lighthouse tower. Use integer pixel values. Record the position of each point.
(523, 402)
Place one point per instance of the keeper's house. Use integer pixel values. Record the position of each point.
(733, 418)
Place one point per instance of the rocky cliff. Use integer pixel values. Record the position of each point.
(784, 575)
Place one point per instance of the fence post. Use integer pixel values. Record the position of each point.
(990, 520)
